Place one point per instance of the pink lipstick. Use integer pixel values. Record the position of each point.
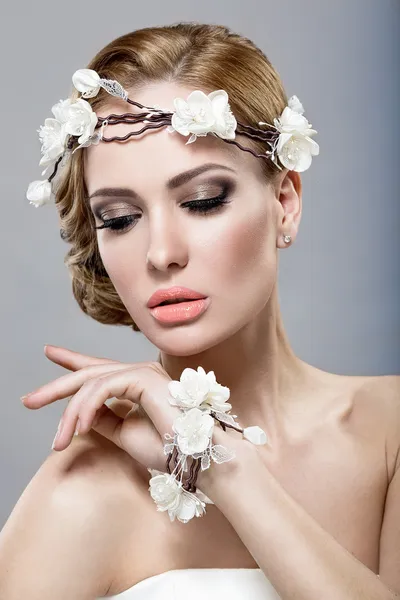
(177, 304)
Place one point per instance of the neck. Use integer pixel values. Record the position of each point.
(258, 365)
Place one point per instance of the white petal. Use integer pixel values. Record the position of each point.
(282, 140)
(295, 104)
(180, 105)
(219, 100)
(303, 163)
(255, 435)
(190, 506)
(86, 81)
(197, 100)
(60, 110)
(180, 125)
(314, 147)
(39, 192)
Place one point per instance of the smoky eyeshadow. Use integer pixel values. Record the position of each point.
(209, 189)
(108, 205)
(214, 186)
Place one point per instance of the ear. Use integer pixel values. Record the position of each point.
(288, 194)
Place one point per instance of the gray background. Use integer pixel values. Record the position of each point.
(339, 283)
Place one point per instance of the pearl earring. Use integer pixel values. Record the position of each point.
(287, 238)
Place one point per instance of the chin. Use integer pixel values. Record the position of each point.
(183, 340)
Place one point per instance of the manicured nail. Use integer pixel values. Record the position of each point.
(77, 428)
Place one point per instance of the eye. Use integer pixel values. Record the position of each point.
(204, 207)
(207, 205)
(119, 223)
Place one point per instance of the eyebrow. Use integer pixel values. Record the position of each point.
(172, 183)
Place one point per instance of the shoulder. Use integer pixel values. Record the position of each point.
(64, 532)
(381, 392)
(378, 398)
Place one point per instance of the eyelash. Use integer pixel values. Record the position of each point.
(202, 207)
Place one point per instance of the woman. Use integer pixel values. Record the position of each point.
(312, 513)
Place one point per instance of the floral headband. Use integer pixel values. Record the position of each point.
(289, 138)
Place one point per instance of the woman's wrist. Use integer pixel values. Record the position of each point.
(222, 480)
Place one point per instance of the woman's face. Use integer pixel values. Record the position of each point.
(227, 253)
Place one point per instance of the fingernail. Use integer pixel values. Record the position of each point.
(77, 427)
(57, 435)
(29, 395)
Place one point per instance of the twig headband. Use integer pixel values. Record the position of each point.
(288, 139)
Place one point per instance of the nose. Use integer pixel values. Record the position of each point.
(167, 242)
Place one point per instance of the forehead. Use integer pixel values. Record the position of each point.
(155, 156)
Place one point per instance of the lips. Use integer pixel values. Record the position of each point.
(177, 301)
(175, 294)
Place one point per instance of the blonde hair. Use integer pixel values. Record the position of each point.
(203, 56)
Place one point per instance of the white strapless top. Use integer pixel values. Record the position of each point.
(202, 584)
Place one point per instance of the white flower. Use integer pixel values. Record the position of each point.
(199, 389)
(190, 506)
(60, 110)
(296, 154)
(39, 193)
(295, 147)
(169, 495)
(165, 490)
(201, 114)
(86, 81)
(194, 428)
(81, 120)
(52, 136)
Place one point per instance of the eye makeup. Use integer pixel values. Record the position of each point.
(207, 203)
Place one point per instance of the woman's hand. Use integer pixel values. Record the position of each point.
(95, 380)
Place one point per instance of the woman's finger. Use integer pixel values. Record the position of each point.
(69, 384)
(142, 386)
(74, 360)
(134, 434)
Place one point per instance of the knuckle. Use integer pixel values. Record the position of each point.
(94, 384)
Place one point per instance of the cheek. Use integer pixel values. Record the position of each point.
(119, 263)
(245, 249)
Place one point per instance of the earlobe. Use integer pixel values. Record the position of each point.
(290, 201)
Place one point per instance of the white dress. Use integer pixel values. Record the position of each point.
(202, 584)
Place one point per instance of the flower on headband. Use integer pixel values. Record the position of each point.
(82, 120)
(201, 114)
(196, 116)
(53, 135)
(199, 389)
(294, 147)
(169, 495)
(39, 192)
(86, 81)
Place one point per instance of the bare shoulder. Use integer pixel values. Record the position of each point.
(64, 532)
(378, 398)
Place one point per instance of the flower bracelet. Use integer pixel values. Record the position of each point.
(202, 401)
